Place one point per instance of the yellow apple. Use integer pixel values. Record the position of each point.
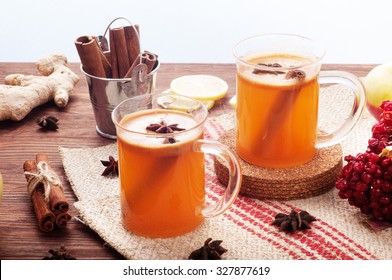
(378, 85)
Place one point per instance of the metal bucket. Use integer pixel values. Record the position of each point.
(106, 94)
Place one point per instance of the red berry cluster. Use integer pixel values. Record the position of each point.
(382, 131)
(366, 180)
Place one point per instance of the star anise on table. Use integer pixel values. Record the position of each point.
(60, 254)
(294, 221)
(212, 250)
(163, 127)
(111, 167)
(48, 122)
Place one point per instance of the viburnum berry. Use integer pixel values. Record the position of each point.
(386, 105)
(366, 180)
(382, 131)
(366, 188)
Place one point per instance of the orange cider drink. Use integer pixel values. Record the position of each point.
(161, 165)
(278, 86)
(276, 114)
(162, 183)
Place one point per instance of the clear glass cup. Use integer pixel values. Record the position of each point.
(278, 81)
(162, 175)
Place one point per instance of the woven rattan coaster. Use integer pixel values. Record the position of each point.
(311, 179)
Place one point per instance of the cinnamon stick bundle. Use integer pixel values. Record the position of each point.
(45, 216)
(58, 203)
(50, 204)
(122, 58)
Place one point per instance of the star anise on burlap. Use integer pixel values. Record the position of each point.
(212, 250)
(163, 127)
(48, 122)
(294, 221)
(111, 167)
(60, 254)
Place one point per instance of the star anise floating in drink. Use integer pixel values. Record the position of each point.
(111, 167)
(295, 74)
(294, 221)
(265, 71)
(291, 74)
(212, 250)
(163, 127)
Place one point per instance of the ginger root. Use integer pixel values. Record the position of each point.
(22, 93)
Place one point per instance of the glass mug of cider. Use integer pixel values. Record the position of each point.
(278, 80)
(161, 165)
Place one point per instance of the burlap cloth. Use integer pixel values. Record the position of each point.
(340, 232)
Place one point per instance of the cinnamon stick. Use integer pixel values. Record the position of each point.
(113, 55)
(134, 64)
(120, 44)
(279, 112)
(58, 203)
(92, 57)
(148, 58)
(43, 213)
(62, 219)
(132, 40)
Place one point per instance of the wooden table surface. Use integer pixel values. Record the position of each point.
(20, 237)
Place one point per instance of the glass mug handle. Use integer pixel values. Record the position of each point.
(352, 81)
(235, 175)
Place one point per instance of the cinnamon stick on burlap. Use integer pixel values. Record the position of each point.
(45, 216)
(92, 57)
(58, 203)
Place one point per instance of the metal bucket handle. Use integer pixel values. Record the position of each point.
(139, 74)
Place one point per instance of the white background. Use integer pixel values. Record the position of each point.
(198, 31)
